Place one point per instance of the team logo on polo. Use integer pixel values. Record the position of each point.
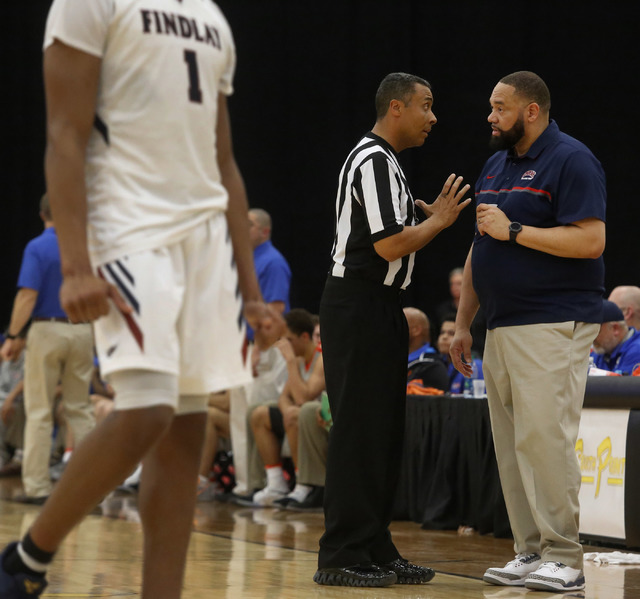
(32, 587)
(528, 175)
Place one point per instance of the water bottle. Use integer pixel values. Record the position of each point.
(467, 386)
(591, 364)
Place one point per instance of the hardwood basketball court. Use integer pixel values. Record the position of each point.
(244, 553)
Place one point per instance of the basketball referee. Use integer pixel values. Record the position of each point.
(365, 336)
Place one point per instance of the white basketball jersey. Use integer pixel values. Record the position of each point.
(151, 172)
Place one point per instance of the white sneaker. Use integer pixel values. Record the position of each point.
(554, 576)
(267, 496)
(515, 572)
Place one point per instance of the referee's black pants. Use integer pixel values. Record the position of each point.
(365, 343)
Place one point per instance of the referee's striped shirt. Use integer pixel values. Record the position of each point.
(373, 202)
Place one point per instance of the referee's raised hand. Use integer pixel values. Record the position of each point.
(448, 205)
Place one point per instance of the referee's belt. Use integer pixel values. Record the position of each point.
(52, 319)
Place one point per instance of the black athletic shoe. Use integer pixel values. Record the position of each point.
(312, 502)
(282, 503)
(356, 576)
(409, 573)
(19, 586)
(243, 500)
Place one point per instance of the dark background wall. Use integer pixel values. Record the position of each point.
(306, 77)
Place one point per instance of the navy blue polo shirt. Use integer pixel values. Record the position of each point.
(40, 270)
(557, 182)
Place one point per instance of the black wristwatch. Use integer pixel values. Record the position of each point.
(514, 229)
(8, 335)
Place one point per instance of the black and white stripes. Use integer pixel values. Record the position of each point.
(373, 202)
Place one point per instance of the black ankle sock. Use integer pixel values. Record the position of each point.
(13, 563)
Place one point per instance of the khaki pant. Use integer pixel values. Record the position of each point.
(313, 444)
(56, 352)
(536, 377)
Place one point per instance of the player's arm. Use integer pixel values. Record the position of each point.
(237, 210)
(266, 323)
(71, 84)
(442, 213)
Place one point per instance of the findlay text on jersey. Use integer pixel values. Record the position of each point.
(163, 23)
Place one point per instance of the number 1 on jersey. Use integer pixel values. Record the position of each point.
(195, 93)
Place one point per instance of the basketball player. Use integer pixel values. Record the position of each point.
(141, 175)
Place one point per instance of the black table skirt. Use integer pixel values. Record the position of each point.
(449, 476)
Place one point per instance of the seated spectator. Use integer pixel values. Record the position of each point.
(627, 298)
(424, 363)
(617, 346)
(270, 422)
(419, 333)
(12, 416)
(456, 379)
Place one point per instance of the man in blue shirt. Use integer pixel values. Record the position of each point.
(617, 346)
(272, 268)
(57, 351)
(536, 268)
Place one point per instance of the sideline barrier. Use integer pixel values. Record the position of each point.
(449, 475)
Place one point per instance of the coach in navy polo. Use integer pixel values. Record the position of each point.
(536, 268)
(57, 351)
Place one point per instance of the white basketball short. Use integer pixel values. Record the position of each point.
(186, 313)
